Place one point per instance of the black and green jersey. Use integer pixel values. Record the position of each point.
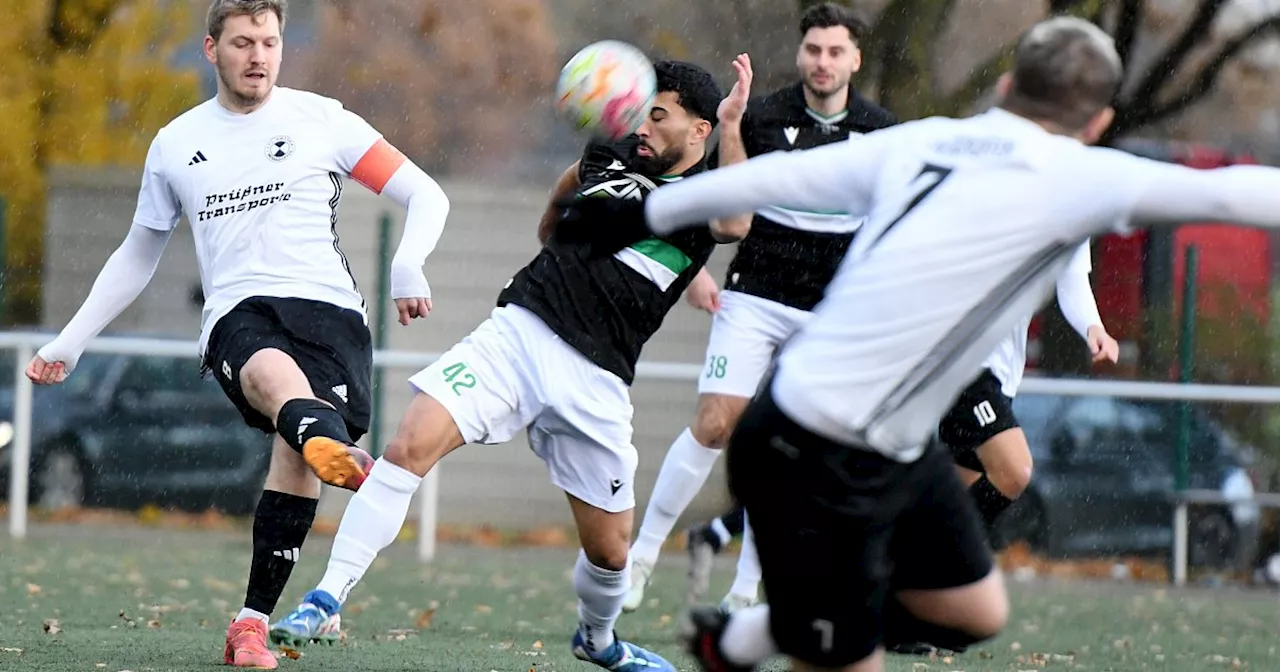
(607, 307)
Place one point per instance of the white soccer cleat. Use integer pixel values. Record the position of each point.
(640, 573)
(732, 603)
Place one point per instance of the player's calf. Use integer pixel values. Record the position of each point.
(952, 619)
(1007, 467)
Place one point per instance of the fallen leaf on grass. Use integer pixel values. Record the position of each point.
(483, 609)
(52, 626)
(34, 589)
(153, 623)
(100, 665)
(424, 619)
(10, 649)
(537, 644)
(291, 654)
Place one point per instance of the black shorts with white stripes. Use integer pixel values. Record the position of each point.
(332, 346)
(981, 412)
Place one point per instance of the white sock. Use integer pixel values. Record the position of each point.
(250, 613)
(747, 639)
(600, 596)
(747, 581)
(721, 531)
(371, 522)
(685, 469)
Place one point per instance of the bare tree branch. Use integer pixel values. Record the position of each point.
(1172, 59)
(1201, 85)
(1127, 20)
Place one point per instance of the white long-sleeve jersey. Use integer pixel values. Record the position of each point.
(1075, 298)
(969, 224)
(261, 192)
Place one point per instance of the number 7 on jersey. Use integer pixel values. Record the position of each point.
(931, 176)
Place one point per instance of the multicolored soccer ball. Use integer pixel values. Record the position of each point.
(606, 90)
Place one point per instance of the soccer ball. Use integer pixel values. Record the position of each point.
(606, 90)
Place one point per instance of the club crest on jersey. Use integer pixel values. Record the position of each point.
(279, 148)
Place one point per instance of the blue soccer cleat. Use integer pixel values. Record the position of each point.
(315, 620)
(621, 656)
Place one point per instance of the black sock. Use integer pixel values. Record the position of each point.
(280, 525)
(990, 501)
(301, 419)
(903, 629)
(733, 521)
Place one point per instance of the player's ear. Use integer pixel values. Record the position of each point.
(1004, 85)
(700, 131)
(1097, 126)
(209, 50)
(857, 59)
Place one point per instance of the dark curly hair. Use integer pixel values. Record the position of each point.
(696, 90)
(830, 15)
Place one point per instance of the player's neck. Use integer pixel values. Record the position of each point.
(235, 105)
(690, 160)
(827, 106)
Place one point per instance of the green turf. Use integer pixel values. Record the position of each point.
(176, 590)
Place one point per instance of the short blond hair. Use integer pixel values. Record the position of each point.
(221, 10)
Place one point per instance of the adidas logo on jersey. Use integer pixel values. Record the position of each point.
(198, 158)
(341, 391)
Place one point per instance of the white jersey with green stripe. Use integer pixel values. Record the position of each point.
(607, 307)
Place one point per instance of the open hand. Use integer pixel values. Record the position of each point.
(734, 106)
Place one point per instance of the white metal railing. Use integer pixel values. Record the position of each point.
(26, 343)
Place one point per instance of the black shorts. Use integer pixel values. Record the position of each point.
(981, 412)
(331, 345)
(839, 528)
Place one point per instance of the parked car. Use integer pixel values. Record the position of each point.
(127, 431)
(1104, 481)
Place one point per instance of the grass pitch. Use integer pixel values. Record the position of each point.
(84, 597)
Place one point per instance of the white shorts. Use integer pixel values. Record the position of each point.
(745, 335)
(513, 373)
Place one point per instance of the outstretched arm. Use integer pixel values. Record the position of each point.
(732, 113)
(383, 169)
(840, 176)
(121, 280)
(1075, 298)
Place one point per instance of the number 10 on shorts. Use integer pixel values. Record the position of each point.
(985, 413)
(459, 378)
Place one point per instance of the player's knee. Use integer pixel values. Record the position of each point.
(1011, 479)
(988, 614)
(426, 434)
(607, 553)
(989, 619)
(714, 424)
(272, 377)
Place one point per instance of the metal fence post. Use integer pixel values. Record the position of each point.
(380, 329)
(1181, 467)
(20, 464)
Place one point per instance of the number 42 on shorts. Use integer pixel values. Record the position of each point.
(459, 378)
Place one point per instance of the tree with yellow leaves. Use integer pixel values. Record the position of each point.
(85, 82)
